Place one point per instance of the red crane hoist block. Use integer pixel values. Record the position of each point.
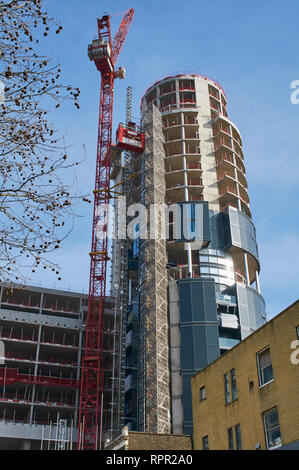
(128, 138)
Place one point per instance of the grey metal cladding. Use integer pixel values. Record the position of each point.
(239, 231)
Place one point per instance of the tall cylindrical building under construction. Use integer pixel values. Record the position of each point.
(184, 304)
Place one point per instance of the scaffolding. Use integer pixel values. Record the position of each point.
(58, 435)
(154, 384)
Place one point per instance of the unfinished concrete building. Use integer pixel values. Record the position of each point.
(182, 304)
(43, 333)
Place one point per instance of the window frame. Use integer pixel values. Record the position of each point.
(202, 393)
(233, 384)
(230, 436)
(205, 440)
(267, 430)
(260, 376)
(238, 437)
(227, 396)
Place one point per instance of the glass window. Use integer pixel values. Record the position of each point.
(204, 270)
(265, 366)
(272, 428)
(298, 332)
(202, 393)
(230, 435)
(226, 389)
(238, 437)
(233, 384)
(205, 443)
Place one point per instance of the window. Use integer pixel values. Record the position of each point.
(298, 332)
(233, 384)
(202, 393)
(205, 443)
(226, 389)
(272, 428)
(265, 366)
(230, 386)
(230, 435)
(238, 437)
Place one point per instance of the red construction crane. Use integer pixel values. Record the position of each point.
(104, 53)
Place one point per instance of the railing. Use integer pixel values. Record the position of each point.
(239, 277)
(13, 397)
(41, 360)
(221, 176)
(228, 190)
(169, 139)
(190, 121)
(214, 93)
(192, 136)
(224, 158)
(186, 88)
(193, 166)
(221, 129)
(20, 337)
(215, 107)
(195, 183)
(221, 143)
(174, 185)
(181, 272)
(177, 106)
(10, 376)
(171, 168)
(165, 92)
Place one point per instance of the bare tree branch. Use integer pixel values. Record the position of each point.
(36, 205)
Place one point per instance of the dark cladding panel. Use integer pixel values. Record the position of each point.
(199, 333)
(195, 224)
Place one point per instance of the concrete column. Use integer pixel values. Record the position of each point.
(246, 268)
(235, 167)
(257, 280)
(35, 371)
(177, 93)
(76, 424)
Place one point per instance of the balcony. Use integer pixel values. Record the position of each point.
(186, 85)
(176, 106)
(222, 143)
(181, 272)
(213, 92)
(193, 166)
(228, 195)
(225, 176)
(167, 88)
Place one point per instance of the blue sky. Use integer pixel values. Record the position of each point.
(251, 49)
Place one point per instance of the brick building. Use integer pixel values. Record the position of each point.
(249, 397)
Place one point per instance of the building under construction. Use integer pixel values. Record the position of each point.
(77, 368)
(43, 333)
(183, 304)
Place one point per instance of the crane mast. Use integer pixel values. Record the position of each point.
(104, 53)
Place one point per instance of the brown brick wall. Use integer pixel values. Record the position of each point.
(213, 417)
